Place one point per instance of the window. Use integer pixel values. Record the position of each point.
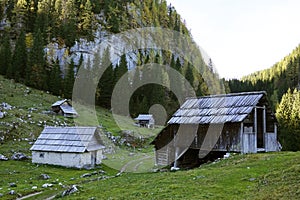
(41, 155)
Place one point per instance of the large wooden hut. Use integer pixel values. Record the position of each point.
(237, 122)
(68, 146)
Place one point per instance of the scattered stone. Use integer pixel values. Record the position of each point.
(3, 157)
(60, 184)
(2, 115)
(1, 195)
(197, 177)
(12, 192)
(19, 156)
(175, 168)
(69, 191)
(46, 185)
(252, 179)
(85, 175)
(101, 172)
(227, 155)
(34, 187)
(12, 185)
(44, 176)
(118, 174)
(6, 106)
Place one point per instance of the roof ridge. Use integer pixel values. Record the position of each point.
(230, 94)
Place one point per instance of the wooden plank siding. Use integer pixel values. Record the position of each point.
(247, 121)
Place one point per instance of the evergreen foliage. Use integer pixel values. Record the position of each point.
(36, 23)
(288, 115)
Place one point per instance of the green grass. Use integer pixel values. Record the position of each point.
(255, 176)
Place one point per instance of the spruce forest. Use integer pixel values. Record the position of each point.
(30, 28)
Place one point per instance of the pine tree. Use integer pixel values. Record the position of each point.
(189, 76)
(36, 69)
(289, 120)
(5, 55)
(55, 82)
(106, 82)
(69, 80)
(87, 20)
(19, 60)
(121, 69)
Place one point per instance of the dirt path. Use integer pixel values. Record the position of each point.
(29, 195)
(140, 160)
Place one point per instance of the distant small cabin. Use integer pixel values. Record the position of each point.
(237, 122)
(145, 120)
(64, 107)
(68, 146)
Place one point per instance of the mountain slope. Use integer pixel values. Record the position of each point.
(276, 80)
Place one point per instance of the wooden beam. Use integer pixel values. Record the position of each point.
(265, 143)
(241, 137)
(255, 129)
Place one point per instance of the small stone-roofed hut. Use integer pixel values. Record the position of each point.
(145, 120)
(64, 108)
(237, 122)
(68, 146)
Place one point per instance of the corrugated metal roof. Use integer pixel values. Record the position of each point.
(223, 108)
(144, 117)
(67, 139)
(68, 109)
(60, 102)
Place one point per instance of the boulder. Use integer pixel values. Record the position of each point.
(19, 156)
(69, 191)
(46, 185)
(12, 185)
(44, 176)
(12, 192)
(86, 175)
(6, 106)
(3, 157)
(2, 115)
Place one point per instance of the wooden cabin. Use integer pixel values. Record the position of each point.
(237, 122)
(145, 120)
(68, 146)
(64, 107)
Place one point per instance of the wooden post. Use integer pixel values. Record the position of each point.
(265, 141)
(255, 129)
(242, 138)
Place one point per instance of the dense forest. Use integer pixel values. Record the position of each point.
(27, 27)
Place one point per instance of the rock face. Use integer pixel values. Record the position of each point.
(19, 156)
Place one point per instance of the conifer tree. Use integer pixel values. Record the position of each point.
(106, 82)
(5, 55)
(36, 69)
(69, 80)
(55, 81)
(19, 60)
(289, 120)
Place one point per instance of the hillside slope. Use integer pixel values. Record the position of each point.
(276, 80)
(252, 176)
